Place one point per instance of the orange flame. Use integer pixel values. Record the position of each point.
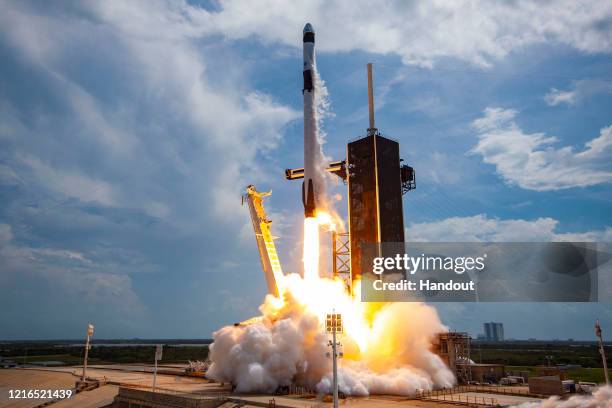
(321, 295)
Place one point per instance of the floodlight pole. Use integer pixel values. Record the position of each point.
(155, 376)
(158, 356)
(89, 334)
(335, 367)
(85, 358)
(333, 324)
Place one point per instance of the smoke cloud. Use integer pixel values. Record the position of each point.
(386, 350)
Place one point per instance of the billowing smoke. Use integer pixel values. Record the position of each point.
(386, 351)
(601, 398)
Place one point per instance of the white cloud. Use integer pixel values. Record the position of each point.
(532, 162)
(72, 184)
(228, 123)
(418, 32)
(482, 228)
(71, 274)
(556, 97)
(136, 114)
(578, 91)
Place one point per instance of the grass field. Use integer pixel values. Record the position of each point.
(71, 355)
(587, 374)
(521, 354)
(67, 359)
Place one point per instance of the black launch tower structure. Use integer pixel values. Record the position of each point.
(376, 180)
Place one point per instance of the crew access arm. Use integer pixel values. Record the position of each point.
(265, 241)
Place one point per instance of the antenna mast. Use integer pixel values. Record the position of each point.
(372, 129)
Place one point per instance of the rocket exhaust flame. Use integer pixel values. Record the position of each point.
(385, 352)
(386, 347)
(312, 244)
(311, 249)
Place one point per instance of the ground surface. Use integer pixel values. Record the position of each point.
(13, 379)
(141, 377)
(90, 399)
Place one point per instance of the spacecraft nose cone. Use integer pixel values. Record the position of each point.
(309, 35)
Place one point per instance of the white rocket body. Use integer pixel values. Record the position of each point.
(313, 186)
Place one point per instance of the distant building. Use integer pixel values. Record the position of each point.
(494, 331)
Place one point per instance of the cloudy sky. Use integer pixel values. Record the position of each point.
(128, 131)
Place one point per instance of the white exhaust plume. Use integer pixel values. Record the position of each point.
(601, 398)
(322, 112)
(388, 353)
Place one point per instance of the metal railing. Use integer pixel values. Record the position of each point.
(454, 395)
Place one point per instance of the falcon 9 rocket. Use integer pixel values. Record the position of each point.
(313, 186)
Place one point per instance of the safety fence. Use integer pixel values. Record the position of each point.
(453, 395)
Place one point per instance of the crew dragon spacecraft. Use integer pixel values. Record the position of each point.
(313, 186)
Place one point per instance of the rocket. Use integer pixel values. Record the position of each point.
(313, 186)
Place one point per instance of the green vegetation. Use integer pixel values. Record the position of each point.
(532, 354)
(525, 356)
(588, 374)
(67, 359)
(578, 374)
(145, 354)
(125, 354)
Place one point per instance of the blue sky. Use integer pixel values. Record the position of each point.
(128, 131)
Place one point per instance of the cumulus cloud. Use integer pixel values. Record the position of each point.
(490, 229)
(477, 32)
(128, 137)
(168, 82)
(531, 161)
(577, 92)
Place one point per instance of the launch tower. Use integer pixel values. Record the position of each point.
(376, 181)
